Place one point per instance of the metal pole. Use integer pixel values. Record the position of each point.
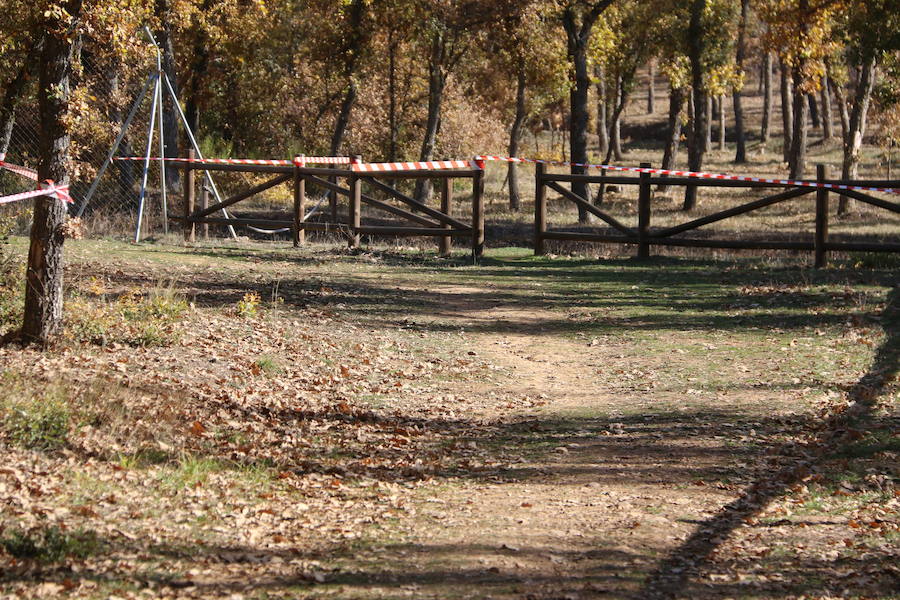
(196, 146)
(115, 146)
(162, 146)
(137, 229)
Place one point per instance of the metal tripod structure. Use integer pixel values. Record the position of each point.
(161, 84)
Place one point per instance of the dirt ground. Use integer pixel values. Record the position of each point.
(382, 426)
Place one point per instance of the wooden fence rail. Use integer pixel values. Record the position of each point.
(428, 221)
(644, 236)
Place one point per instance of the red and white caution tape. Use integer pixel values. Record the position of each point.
(697, 174)
(47, 188)
(18, 169)
(317, 160)
(411, 166)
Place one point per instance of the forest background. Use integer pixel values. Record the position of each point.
(422, 79)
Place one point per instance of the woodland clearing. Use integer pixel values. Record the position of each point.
(246, 420)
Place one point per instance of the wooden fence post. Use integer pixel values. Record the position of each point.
(355, 204)
(644, 214)
(299, 202)
(189, 200)
(821, 219)
(540, 208)
(478, 210)
(204, 204)
(445, 243)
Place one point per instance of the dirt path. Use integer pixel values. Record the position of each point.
(590, 512)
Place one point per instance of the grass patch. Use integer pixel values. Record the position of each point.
(36, 419)
(50, 545)
(132, 319)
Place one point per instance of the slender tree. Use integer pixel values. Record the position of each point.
(44, 277)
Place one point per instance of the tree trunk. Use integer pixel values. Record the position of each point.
(170, 112)
(711, 116)
(437, 81)
(786, 111)
(740, 154)
(392, 96)
(199, 68)
(814, 111)
(44, 277)
(351, 60)
(602, 121)
(827, 119)
(515, 134)
(578, 36)
(343, 119)
(697, 140)
(651, 85)
(767, 99)
(797, 158)
(856, 126)
(722, 122)
(676, 105)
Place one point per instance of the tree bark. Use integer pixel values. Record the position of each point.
(827, 119)
(797, 158)
(354, 47)
(676, 106)
(602, 120)
(578, 36)
(199, 69)
(651, 84)
(697, 134)
(44, 277)
(515, 134)
(767, 99)
(170, 113)
(740, 154)
(722, 122)
(437, 82)
(856, 126)
(814, 111)
(787, 111)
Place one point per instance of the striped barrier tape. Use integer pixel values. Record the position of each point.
(18, 169)
(695, 174)
(411, 166)
(47, 188)
(319, 160)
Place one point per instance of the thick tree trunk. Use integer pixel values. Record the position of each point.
(787, 111)
(44, 277)
(797, 158)
(697, 128)
(827, 119)
(676, 106)
(767, 99)
(856, 126)
(515, 133)
(651, 87)
(578, 36)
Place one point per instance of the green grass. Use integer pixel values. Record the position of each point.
(50, 545)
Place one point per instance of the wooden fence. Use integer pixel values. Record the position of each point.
(644, 236)
(427, 221)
